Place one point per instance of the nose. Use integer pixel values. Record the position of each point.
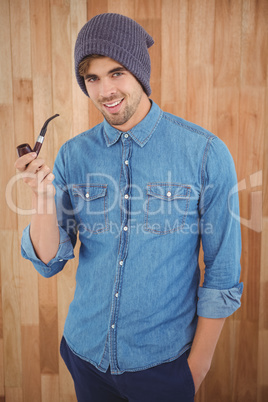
(107, 88)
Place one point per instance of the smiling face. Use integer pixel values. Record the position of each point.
(116, 93)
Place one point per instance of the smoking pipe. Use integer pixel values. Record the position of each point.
(25, 148)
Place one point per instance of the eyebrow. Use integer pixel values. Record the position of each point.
(114, 70)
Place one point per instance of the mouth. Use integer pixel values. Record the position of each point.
(113, 107)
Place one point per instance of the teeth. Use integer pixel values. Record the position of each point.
(113, 104)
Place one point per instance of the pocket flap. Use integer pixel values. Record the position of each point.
(90, 192)
(168, 191)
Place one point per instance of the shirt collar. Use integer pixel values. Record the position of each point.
(141, 133)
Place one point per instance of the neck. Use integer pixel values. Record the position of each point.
(138, 116)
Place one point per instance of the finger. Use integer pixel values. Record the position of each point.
(22, 162)
(49, 178)
(39, 182)
(36, 165)
(42, 173)
(46, 185)
(47, 182)
(35, 172)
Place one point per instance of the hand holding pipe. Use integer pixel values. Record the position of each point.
(25, 148)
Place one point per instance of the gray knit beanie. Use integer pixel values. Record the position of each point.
(120, 38)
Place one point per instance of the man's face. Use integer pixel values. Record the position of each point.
(116, 93)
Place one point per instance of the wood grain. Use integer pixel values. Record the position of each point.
(200, 62)
(20, 39)
(31, 374)
(227, 56)
(254, 42)
(13, 394)
(80, 103)
(174, 39)
(8, 195)
(226, 106)
(5, 59)
(209, 65)
(61, 72)
(11, 308)
(263, 317)
(42, 73)
(2, 369)
(50, 387)
(48, 324)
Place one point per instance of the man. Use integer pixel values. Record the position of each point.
(142, 189)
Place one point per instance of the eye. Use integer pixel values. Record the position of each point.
(91, 79)
(118, 74)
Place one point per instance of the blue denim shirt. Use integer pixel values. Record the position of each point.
(141, 202)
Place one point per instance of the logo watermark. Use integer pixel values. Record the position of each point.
(101, 193)
(255, 221)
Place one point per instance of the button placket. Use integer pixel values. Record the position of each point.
(123, 241)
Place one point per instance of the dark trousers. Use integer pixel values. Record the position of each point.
(168, 382)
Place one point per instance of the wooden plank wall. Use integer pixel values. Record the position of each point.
(209, 65)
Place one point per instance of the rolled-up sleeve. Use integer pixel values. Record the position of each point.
(64, 253)
(220, 294)
(214, 303)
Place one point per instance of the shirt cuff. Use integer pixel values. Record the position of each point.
(215, 303)
(64, 253)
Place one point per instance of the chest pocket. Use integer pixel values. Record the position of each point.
(91, 207)
(166, 207)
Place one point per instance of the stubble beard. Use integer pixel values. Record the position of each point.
(124, 115)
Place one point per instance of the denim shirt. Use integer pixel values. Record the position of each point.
(141, 203)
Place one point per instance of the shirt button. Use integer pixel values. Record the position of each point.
(113, 326)
(87, 195)
(126, 162)
(116, 295)
(60, 259)
(125, 228)
(126, 135)
(121, 262)
(169, 194)
(126, 196)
